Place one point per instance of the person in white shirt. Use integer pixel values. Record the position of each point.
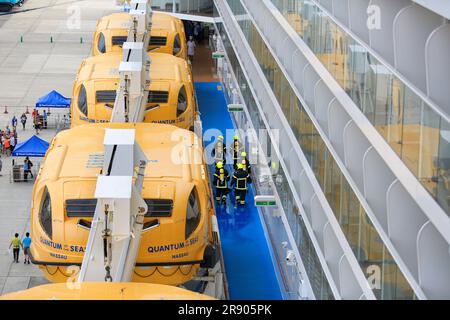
(191, 48)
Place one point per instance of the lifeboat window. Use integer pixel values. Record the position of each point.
(182, 101)
(176, 45)
(158, 97)
(150, 225)
(192, 214)
(158, 41)
(101, 43)
(118, 40)
(82, 100)
(159, 208)
(45, 213)
(85, 208)
(81, 208)
(105, 96)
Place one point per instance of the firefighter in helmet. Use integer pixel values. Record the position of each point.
(236, 150)
(240, 182)
(220, 151)
(221, 183)
(245, 162)
(220, 166)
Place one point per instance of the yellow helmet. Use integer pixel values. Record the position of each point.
(244, 154)
(220, 165)
(236, 137)
(220, 138)
(240, 166)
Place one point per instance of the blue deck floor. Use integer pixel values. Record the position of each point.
(248, 264)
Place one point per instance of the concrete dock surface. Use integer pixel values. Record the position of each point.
(41, 47)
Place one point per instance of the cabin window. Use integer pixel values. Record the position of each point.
(82, 100)
(101, 43)
(45, 214)
(176, 45)
(182, 101)
(192, 214)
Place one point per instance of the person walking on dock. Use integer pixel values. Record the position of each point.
(38, 124)
(27, 165)
(240, 181)
(23, 120)
(7, 146)
(26, 243)
(14, 122)
(16, 244)
(44, 118)
(26, 170)
(12, 143)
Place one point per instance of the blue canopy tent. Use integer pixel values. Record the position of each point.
(53, 100)
(33, 147)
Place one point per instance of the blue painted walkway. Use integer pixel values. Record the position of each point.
(249, 268)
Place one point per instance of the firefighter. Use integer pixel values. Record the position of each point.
(240, 181)
(245, 162)
(237, 150)
(220, 151)
(219, 166)
(221, 183)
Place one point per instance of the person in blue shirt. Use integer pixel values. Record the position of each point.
(26, 243)
(14, 122)
(45, 120)
(26, 169)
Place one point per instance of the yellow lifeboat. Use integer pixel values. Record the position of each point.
(167, 34)
(171, 99)
(105, 291)
(177, 242)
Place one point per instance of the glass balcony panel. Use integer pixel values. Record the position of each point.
(407, 123)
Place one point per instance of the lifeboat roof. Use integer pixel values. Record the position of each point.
(173, 153)
(106, 66)
(105, 291)
(118, 21)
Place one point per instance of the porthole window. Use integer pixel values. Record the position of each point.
(45, 213)
(101, 43)
(176, 45)
(192, 214)
(82, 100)
(182, 101)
